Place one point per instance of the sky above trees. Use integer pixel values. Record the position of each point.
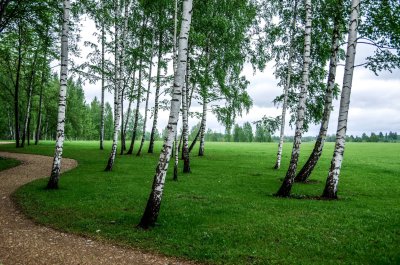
(375, 104)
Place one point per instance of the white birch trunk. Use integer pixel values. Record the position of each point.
(286, 187)
(308, 167)
(117, 99)
(153, 205)
(103, 40)
(157, 95)
(56, 167)
(330, 191)
(286, 89)
(147, 99)
(203, 128)
(185, 121)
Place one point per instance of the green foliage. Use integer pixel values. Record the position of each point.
(224, 213)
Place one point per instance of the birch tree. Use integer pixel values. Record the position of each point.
(312, 161)
(117, 95)
(56, 167)
(286, 187)
(286, 87)
(154, 202)
(330, 191)
(147, 99)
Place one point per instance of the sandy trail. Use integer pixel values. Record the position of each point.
(24, 242)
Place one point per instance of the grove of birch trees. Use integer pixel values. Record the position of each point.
(171, 55)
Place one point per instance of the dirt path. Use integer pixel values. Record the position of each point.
(24, 242)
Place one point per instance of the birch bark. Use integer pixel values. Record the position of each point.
(117, 100)
(312, 161)
(286, 88)
(286, 187)
(185, 121)
(330, 191)
(139, 94)
(103, 40)
(203, 127)
(147, 99)
(153, 205)
(157, 94)
(56, 167)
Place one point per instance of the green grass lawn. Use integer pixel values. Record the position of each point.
(6, 163)
(224, 212)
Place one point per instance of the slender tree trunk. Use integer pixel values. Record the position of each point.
(286, 187)
(312, 161)
(16, 92)
(123, 142)
(157, 95)
(117, 96)
(138, 100)
(185, 122)
(103, 40)
(203, 127)
(330, 191)
(121, 73)
(147, 100)
(28, 138)
(39, 118)
(56, 168)
(151, 212)
(128, 113)
(195, 140)
(176, 155)
(31, 84)
(139, 95)
(10, 125)
(286, 88)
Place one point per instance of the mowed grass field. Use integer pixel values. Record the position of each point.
(224, 212)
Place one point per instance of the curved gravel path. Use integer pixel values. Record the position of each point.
(24, 242)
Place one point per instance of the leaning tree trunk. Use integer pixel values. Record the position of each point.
(203, 127)
(157, 94)
(153, 204)
(195, 140)
(147, 100)
(56, 168)
(312, 161)
(330, 191)
(286, 88)
(185, 122)
(103, 40)
(117, 96)
(286, 187)
(16, 88)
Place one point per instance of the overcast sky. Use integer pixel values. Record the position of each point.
(375, 100)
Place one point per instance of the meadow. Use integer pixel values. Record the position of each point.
(224, 211)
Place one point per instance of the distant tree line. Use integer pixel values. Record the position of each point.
(245, 134)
